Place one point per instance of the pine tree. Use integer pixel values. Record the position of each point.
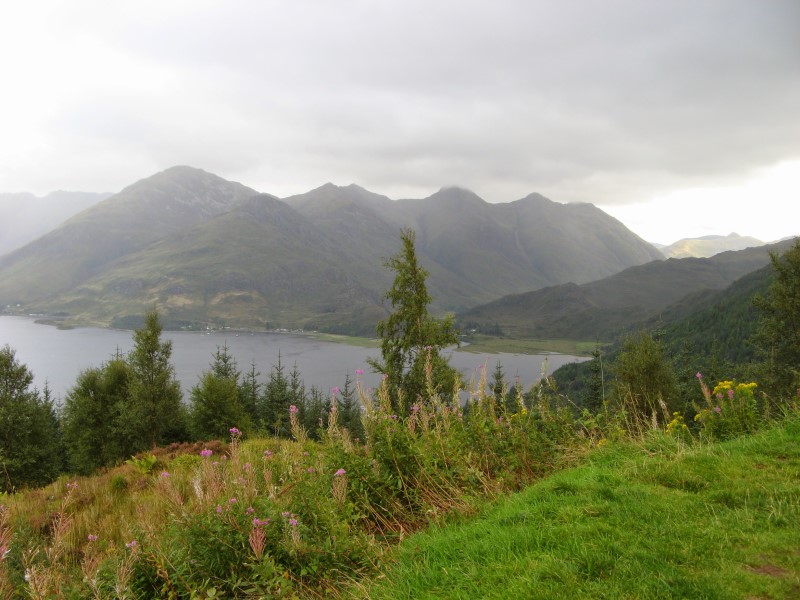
(778, 334)
(215, 402)
(90, 417)
(410, 337)
(154, 414)
(30, 449)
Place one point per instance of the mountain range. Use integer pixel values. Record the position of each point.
(709, 245)
(205, 250)
(600, 310)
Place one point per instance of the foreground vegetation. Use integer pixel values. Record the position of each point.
(653, 519)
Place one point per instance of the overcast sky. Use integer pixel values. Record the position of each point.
(680, 118)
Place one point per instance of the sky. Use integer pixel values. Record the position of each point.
(680, 117)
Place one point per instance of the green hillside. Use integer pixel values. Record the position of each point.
(650, 520)
(604, 308)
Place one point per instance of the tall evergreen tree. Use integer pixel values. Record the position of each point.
(215, 402)
(30, 449)
(275, 402)
(154, 413)
(778, 334)
(411, 337)
(349, 409)
(90, 417)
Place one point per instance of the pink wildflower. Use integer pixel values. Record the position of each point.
(206, 453)
(359, 371)
(340, 472)
(293, 409)
(91, 537)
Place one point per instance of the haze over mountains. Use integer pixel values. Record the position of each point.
(25, 217)
(206, 250)
(709, 245)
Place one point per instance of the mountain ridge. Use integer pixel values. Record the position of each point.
(204, 249)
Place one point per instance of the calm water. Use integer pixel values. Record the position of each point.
(59, 355)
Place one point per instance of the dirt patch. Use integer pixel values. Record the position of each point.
(769, 570)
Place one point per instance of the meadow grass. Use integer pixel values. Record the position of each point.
(654, 519)
(484, 343)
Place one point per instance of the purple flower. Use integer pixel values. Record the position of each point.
(164, 474)
(132, 544)
(91, 537)
(717, 409)
(335, 391)
(232, 501)
(310, 469)
(340, 472)
(234, 431)
(247, 466)
(71, 485)
(250, 510)
(730, 394)
(267, 453)
(218, 509)
(699, 375)
(260, 522)
(293, 522)
(293, 409)
(206, 453)
(359, 371)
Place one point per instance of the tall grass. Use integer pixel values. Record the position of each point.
(293, 518)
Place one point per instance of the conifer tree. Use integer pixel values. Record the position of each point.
(30, 449)
(90, 417)
(410, 336)
(154, 413)
(778, 334)
(216, 405)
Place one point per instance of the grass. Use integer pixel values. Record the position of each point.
(484, 343)
(651, 520)
(351, 340)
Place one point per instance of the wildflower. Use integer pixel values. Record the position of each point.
(293, 409)
(260, 522)
(393, 417)
(132, 544)
(310, 469)
(232, 501)
(247, 466)
(164, 474)
(250, 510)
(335, 391)
(415, 408)
(340, 472)
(293, 522)
(717, 409)
(267, 453)
(730, 394)
(359, 371)
(234, 431)
(285, 514)
(218, 509)
(91, 537)
(206, 453)
(699, 375)
(71, 485)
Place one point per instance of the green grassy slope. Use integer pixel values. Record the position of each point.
(655, 520)
(601, 309)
